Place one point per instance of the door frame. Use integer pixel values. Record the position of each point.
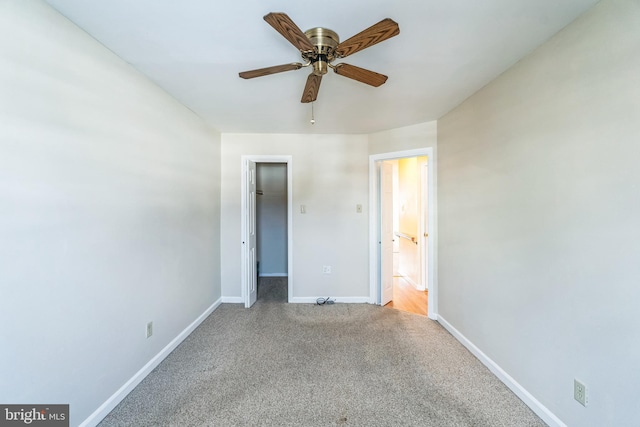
(423, 226)
(288, 160)
(375, 225)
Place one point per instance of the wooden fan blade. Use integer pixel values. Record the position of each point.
(290, 31)
(270, 70)
(360, 74)
(311, 88)
(377, 33)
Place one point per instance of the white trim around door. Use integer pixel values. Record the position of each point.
(245, 256)
(375, 225)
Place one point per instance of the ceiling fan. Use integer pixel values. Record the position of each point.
(320, 46)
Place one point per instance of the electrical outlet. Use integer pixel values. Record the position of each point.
(580, 392)
(326, 269)
(358, 208)
(149, 329)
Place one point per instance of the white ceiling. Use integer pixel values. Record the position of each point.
(446, 50)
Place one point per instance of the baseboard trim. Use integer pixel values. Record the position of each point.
(313, 300)
(273, 274)
(410, 280)
(542, 411)
(233, 300)
(104, 409)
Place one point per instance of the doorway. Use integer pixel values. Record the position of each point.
(266, 224)
(408, 207)
(402, 246)
(271, 231)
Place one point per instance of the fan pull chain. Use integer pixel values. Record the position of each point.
(313, 120)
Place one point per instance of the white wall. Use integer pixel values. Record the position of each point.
(330, 179)
(413, 137)
(109, 214)
(539, 218)
(271, 218)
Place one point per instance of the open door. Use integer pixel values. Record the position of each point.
(386, 234)
(250, 238)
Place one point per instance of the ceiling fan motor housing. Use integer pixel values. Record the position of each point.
(325, 41)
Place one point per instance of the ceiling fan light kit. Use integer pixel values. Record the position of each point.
(319, 47)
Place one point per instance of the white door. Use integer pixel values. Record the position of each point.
(386, 235)
(250, 239)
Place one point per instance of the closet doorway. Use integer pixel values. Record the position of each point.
(266, 224)
(271, 231)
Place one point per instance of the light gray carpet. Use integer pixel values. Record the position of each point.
(280, 364)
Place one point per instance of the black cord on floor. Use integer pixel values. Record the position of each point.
(326, 300)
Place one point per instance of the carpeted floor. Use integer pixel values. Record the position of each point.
(280, 364)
